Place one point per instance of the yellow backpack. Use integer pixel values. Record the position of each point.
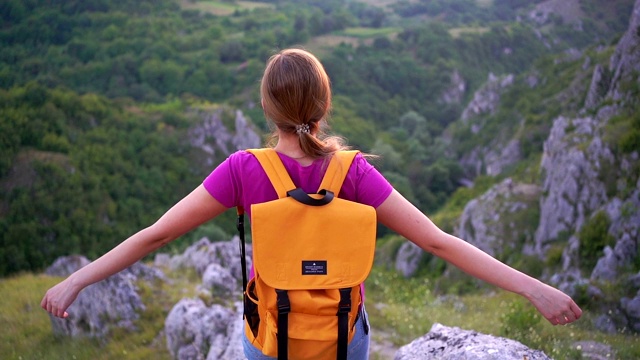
(311, 252)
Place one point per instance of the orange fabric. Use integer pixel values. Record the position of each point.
(288, 239)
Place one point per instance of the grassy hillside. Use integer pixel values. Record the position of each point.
(400, 310)
(96, 97)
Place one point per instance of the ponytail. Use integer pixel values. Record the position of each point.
(296, 98)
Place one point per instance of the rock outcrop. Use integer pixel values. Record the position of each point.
(454, 93)
(408, 258)
(203, 253)
(194, 329)
(625, 62)
(494, 158)
(492, 221)
(486, 100)
(447, 343)
(216, 140)
(197, 331)
(573, 159)
(583, 176)
(113, 302)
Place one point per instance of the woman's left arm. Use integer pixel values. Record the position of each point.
(401, 216)
(193, 210)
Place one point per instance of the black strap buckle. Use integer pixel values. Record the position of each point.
(284, 306)
(345, 301)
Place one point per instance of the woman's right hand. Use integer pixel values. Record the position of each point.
(59, 298)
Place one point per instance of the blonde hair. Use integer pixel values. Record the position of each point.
(296, 91)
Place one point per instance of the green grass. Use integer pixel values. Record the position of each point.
(367, 32)
(26, 329)
(222, 8)
(456, 32)
(407, 308)
(400, 310)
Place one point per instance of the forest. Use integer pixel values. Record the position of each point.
(510, 123)
(96, 99)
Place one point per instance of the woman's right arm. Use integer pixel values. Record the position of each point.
(193, 210)
(401, 216)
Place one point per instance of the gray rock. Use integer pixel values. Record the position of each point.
(626, 230)
(195, 331)
(408, 258)
(231, 348)
(625, 62)
(211, 136)
(492, 221)
(569, 281)
(572, 182)
(605, 324)
(203, 253)
(219, 281)
(598, 89)
(113, 302)
(454, 93)
(66, 265)
(592, 350)
(447, 343)
(143, 272)
(634, 280)
(494, 158)
(631, 308)
(487, 99)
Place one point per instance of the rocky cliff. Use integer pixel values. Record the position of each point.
(585, 180)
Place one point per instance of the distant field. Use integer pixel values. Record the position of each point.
(363, 32)
(320, 45)
(222, 8)
(484, 3)
(380, 3)
(568, 9)
(352, 36)
(456, 32)
(386, 3)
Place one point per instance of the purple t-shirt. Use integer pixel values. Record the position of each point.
(241, 181)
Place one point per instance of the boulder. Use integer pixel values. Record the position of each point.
(487, 99)
(219, 282)
(197, 331)
(452, 343)
(204, 252)
(574, 158)
(212, 137)
(408, 258)
(66, 265)
(631, 308)
(113, 302)
(492, 221)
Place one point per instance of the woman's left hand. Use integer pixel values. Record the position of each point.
(557, 307)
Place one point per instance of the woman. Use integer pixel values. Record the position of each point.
(296, 99)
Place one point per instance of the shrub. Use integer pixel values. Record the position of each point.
(594, 236)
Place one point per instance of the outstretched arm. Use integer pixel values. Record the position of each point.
(401, 216)
(193, 210)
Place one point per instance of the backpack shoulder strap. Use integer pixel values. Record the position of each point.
(272, 165)
(337, 171)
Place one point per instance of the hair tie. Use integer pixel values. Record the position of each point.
(303, 129)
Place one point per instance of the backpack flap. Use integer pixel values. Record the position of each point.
(297, 246)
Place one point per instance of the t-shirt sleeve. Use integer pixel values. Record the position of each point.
(222, 185)
(372, 188)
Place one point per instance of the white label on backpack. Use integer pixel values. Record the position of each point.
(314, 267)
